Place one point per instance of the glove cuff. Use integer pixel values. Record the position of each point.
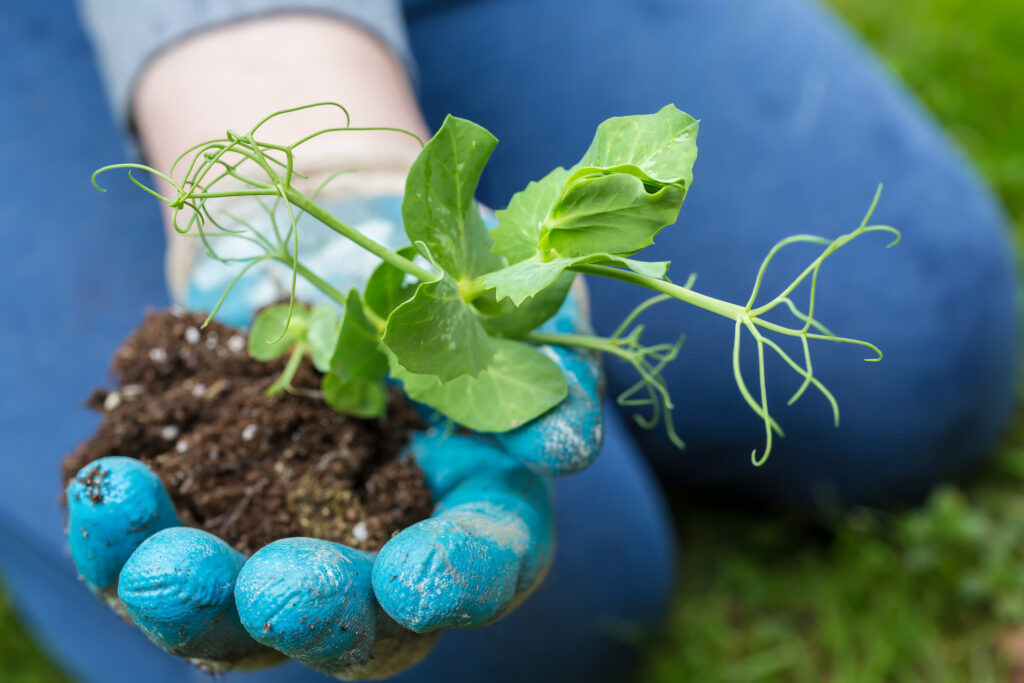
(198, 279)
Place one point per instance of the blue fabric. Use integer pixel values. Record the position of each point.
(798, 125)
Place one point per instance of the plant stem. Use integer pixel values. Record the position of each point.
(585, 341)
(284, 382)
(388, 256)
(313, 279)
(377, 321)
(723, 308)
(325, 288)
(231, 193)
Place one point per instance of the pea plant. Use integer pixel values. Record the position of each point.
(454, 315)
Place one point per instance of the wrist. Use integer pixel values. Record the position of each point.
(201, 85)
(197, 279)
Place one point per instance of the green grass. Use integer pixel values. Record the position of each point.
(926, 595)
(932, 594)
(21, 660)
(923, 596)
(966, 61)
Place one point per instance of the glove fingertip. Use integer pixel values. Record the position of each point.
(114, 504)
(311, 600)
(564, 440)
(178, 587)
(438, 573)
(567, 438)
(514, 506)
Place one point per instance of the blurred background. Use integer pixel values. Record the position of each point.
(933, 593)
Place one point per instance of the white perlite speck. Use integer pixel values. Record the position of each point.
(198, 389)
(132, 390)
(249, 433)
(360, 532)
(112, 401)
(169, 432)
(181, 446)
(158, 355)
(192, 335)
(236, 343)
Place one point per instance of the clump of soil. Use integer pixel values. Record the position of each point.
(247, 467)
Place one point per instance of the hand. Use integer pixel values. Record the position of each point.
(335, 609)
(339, 610)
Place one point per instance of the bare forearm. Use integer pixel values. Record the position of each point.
(231, 76)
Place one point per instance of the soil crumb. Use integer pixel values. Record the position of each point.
(247, 467)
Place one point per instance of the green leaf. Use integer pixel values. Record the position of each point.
(659, 148)
(517, 236)
(360, 396)
(609, 213)
(628, 186)
(507, 319)
(656, 269)
(267, 328)
(519, 385)
(387, 286)
(437, 333)
(355, 382)
(527, 278)
(439, 209)
(322, 335)
(357, 349)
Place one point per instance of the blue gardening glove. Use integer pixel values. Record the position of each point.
(341, 611)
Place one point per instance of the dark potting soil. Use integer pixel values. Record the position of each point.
(247, 467)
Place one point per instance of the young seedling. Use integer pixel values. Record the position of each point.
(311, 331)
(454, 315)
